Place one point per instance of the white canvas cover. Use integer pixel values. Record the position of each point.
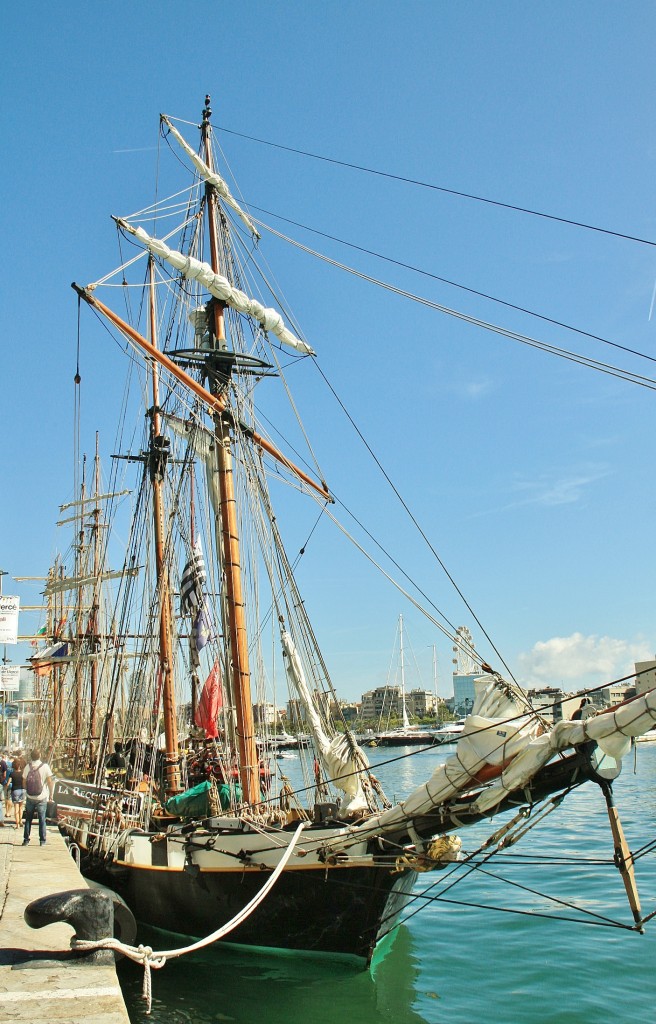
(211, 177)
(499, 731)
(498, 728)
(220, 288)
(611, 730)
(335, 752)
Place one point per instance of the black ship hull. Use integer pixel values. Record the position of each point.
(340, 910)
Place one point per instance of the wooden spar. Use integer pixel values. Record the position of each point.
(241, 683)
(215, 403)
(57, 688)
(172, 783)
(321, 489)
(623, 856)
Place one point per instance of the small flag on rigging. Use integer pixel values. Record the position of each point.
(34, 642)
(193, 579)
(201, 632)
(211, 701)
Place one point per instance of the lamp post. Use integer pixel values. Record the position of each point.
(3, 731)
(5, 661)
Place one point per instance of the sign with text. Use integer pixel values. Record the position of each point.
(9, 607)
(86, 798)
(9, 677)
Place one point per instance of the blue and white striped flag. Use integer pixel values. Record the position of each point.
(192, 582)
(202, 631)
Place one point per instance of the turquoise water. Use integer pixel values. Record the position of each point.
(461, 964)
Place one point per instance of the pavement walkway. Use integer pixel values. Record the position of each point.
(35, 984)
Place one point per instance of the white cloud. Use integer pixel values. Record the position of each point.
(565, 658)
(550, 491)
(560, 491)
(477, 388)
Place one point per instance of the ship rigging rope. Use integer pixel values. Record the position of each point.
(141, 254)
(424, 899)
(454, 637)
(456, 284)
(524, 339)
(455, 313)
(494, 725)
(428, 185)
(137, 359)
(77, 405)
(150, 960)
(599, 922)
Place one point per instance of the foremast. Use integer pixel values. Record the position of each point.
(157, 458)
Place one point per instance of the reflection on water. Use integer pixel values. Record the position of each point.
(227, 984)
(455, 963)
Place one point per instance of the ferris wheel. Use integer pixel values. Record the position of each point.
(463, 653)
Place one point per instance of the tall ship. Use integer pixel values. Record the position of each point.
(167, 778)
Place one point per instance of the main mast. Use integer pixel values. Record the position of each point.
(230, 548)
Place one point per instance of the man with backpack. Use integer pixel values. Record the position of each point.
(39, 787)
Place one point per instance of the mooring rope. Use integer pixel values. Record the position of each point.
(150, 960)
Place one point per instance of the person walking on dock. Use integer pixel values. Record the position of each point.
(6, 786)
(18, 788)
(3, 780)
(39, 785)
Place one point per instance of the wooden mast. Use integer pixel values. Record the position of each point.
(53, 616)
(79, 634)
(95, 607)
(157, 463)
(192, 534)
(239, 666)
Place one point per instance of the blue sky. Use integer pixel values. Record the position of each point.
(532, 476)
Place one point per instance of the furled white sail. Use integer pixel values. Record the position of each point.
(211, 177)
(219, 287)
(496, 731)
(202, 443)
(611, 730)
(336, 753)
(93, 499)
(499, 733)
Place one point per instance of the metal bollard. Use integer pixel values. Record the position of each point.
(89, 911)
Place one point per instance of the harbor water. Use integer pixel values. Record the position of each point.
(527, 936)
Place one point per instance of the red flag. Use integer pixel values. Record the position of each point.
(211, 700)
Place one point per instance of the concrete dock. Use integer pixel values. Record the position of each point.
(35, 984)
